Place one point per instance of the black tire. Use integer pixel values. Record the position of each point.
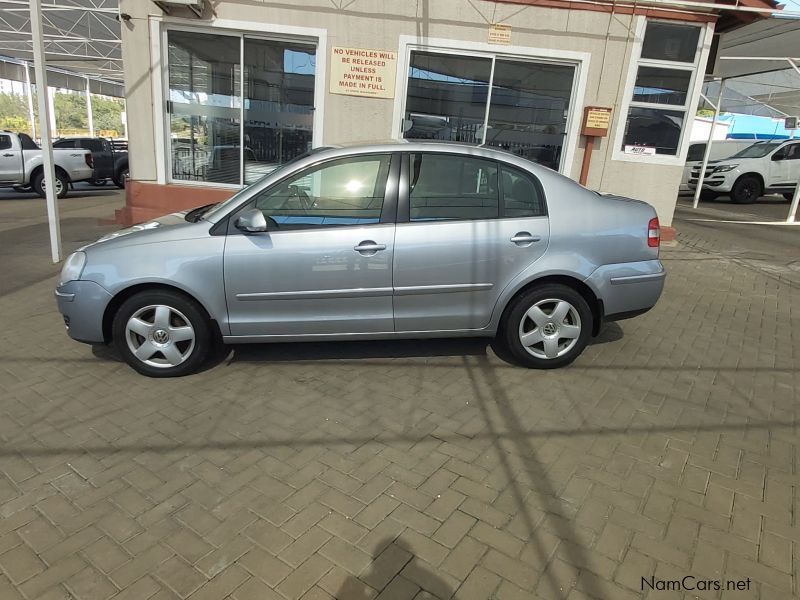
(183, 311)
(747, 189)
(121, 178)
(39, 185)
(708, 195)
(578, 315)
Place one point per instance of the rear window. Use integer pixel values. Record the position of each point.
(26, 142)
(5, 142)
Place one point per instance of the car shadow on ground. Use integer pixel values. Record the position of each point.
(363, 349)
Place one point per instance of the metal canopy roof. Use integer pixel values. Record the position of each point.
(79, 35)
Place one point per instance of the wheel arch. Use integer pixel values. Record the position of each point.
(120, 297)
(755, 174)
(588, 294)
(40, 169)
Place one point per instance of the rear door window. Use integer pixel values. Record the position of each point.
(5, 142)
(522, 195)
(452, 187)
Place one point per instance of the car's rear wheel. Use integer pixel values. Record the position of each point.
(40, 185)
(161, 333)
(747, 189)
(547, 327)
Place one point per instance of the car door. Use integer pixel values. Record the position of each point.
(780, 167)
(792, 168)
(466, 227)
(324, 266)
(10, 160)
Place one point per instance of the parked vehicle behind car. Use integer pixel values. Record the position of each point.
(109, 162)
(411, 240)
(21, 165)
(719, 149)
(763, 168)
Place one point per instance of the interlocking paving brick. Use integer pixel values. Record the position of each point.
(395, 476)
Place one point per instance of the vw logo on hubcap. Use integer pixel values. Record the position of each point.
(160, 336)
(549, 329)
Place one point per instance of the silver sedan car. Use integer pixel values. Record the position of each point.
(404, 240)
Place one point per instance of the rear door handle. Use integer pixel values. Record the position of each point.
(368, 247)
(525, 238)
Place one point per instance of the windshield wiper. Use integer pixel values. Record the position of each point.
(194, 215)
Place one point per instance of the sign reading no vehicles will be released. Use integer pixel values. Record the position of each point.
(363, 72)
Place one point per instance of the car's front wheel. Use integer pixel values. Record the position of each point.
(547, 327)
(161, 333)
(747, 189)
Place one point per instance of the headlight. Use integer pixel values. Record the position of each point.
(725, 168)
(73, 267)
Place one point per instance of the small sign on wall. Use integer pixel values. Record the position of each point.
(499, 34)
(640, 150)
(596, 121)
(363, 72)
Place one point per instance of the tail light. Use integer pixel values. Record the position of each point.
(89, 160)
(653, 233)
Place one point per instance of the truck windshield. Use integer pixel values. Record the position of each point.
(757, 150)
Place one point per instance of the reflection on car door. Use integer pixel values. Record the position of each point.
(325, 264)
(466, 227)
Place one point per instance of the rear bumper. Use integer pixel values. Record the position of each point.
(83, 304)
(628, 289)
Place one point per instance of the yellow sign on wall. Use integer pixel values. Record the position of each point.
(499, 34)
(362, 72)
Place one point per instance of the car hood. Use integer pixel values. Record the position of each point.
(173, 226)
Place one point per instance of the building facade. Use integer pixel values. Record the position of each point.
(215, 101)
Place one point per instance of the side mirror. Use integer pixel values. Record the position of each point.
(251, 221)
(779, 155)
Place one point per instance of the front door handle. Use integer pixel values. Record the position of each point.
(368, 248)
(7, 154)
(524, 238)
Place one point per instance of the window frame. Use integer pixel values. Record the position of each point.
(404, 194)
(388, 209)
(159, 51)
(689, 108)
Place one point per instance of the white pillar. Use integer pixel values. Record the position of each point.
(29, 93)
(51, 108)
(44, 126)
(796, 198)
(89, 114)
(702, 175)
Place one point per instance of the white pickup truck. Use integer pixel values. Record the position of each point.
(763, 168)
(21, 165)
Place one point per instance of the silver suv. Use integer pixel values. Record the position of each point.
(407, 240)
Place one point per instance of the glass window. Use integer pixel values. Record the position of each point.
(662, 86)
(449, 186)
(278, 104)
(793, 152)
(696, 152)
(654, 128)
(210, 88)
(529, 108)
(660, 98)
(521, 196)
(5, 142)
(64, 144)
(668, 41)
(26, 142)
(92, 145)
(342, 192)
(446, 97)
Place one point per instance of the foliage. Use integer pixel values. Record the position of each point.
(70, 110)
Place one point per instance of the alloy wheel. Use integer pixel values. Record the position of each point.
(550, 328)
(160, 336)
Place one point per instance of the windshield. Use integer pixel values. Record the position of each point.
(696, 152)
(756, 150)
(222, 207)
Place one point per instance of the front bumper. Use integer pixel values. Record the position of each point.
(628, 288)
(721, 182)
(83, 304)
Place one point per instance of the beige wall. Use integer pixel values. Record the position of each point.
(379, 24)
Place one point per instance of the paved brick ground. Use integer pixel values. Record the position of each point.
(412, 470)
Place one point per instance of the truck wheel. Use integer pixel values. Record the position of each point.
(40, 187)
(121, 178)
(747, 189)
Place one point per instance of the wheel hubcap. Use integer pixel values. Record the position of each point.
(550, 328)
(160, 336)
(59, 186)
